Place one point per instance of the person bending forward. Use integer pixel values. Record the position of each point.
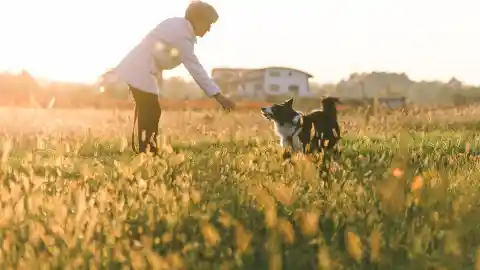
(165, 47)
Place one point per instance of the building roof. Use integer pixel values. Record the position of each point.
(280, 67)
(248, 70)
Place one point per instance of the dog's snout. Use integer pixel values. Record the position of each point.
(267, 110)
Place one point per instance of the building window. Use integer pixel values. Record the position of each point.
(274, 87)
(295, 89)
(274, 73)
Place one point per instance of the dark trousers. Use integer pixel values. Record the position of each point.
(147, 111)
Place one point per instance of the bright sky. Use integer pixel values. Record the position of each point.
(77, 40)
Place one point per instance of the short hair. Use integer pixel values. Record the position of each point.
(200, 10)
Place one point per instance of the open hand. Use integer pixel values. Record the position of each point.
(226, 103)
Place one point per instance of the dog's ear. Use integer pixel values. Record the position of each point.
(289, 102)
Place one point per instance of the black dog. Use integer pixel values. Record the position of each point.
(295, 129)
(325, 123)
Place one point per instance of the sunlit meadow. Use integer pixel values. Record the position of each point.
(403, 194)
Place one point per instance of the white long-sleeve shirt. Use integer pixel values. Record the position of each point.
(143, 65)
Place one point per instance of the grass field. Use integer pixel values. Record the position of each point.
(403, 194)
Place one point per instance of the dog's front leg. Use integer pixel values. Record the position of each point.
(284, 142)
(287, 147)
(296, 144)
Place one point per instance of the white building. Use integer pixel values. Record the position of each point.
(263, 82)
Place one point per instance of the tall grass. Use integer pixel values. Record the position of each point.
(402, 195)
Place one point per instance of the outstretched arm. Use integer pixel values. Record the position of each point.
(196, 70)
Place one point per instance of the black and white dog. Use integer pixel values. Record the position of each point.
(309, 133)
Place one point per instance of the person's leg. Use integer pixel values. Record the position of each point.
(148, 116)
(151, 125)
(141, 113)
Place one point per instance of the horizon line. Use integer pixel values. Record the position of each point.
(190, 80)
